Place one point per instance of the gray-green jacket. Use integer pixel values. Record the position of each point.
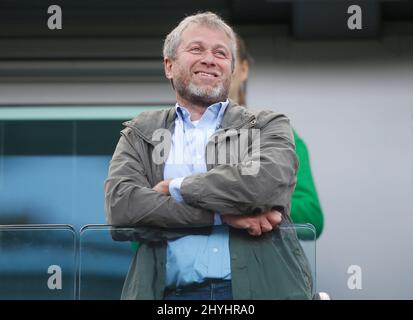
(271, 266)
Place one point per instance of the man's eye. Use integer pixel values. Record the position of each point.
(195, 50)
(221, 53)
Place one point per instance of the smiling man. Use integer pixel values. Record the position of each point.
(208, 230)
(200, 68)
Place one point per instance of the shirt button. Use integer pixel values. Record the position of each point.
(215, 250)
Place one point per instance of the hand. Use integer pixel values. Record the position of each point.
(163, 187)
(254, 224)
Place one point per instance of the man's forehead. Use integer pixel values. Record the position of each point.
(195, 33)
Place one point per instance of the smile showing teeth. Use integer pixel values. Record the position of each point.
(206, 74)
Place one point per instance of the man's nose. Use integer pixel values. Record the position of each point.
(208, 58)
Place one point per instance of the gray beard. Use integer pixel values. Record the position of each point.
(197, 95)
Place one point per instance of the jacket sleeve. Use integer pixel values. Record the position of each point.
(154, 234)
(228, 190)
(130, 200)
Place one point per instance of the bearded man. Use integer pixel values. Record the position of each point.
(208, 229)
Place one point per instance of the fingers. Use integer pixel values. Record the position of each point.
(273, 217)
(255, 230)
(255, 225)
(265, 225)
(162, 187)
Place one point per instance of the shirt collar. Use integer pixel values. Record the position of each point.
(214, 111)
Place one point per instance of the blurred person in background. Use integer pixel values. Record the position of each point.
(305, 205)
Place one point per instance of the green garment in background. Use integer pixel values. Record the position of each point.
(305, 206)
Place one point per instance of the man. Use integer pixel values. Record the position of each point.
(207, 229)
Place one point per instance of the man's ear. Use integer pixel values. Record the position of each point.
(167, 63)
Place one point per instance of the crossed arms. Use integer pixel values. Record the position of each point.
(255, 224)
(247, 202)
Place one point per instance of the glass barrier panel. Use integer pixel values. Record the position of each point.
(106, 254)
(54, 160)
(303, 238)
(37, 262)
(103, 263)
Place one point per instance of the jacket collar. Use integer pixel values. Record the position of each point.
(146, 123)
(235, 116)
